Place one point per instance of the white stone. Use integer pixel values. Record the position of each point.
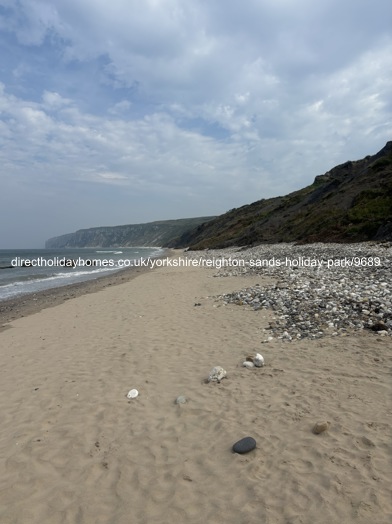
(217, 373)
(248, 364)
(133, 393)
(258, 360)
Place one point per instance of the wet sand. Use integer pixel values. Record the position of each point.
(29, 304)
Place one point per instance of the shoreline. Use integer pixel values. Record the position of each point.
(350, 297)
(31, 303)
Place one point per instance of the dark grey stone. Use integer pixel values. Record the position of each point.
(244, 445)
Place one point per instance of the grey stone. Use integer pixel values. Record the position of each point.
(244, 445)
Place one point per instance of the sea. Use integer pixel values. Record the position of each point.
(25, 271)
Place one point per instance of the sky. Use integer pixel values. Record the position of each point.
(128, 111)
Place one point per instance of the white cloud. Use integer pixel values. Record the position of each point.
(53, 100)
(195, 106)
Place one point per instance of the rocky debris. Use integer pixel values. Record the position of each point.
(248, 364)
(320, 427)
(217, 373)
(317, 289)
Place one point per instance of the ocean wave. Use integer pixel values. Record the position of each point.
(24, 287)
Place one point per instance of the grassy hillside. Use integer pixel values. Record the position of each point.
(350, 203)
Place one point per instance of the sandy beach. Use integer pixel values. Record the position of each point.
(75, 450)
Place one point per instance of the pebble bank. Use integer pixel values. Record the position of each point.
(316, 290)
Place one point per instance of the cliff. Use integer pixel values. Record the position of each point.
(158, 233)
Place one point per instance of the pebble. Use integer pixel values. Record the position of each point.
(258, 361)
(248, 364)
(133, 393)
(320, 427)
(181, 400)
(244, 445)
(217, 373)
(313, 301)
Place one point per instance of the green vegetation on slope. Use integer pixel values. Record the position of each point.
(352, 202)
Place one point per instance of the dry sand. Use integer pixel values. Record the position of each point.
(74, 449)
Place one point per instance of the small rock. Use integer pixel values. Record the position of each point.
(133, 393)
(379, 326)
(188, 478)
(181, 400)
(258, 360)
(244, 445)
(320, 427)
(248, 364)
(217, 373)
